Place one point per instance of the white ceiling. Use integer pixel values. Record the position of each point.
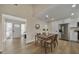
(58, 11)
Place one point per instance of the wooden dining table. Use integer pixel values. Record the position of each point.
(44, 38)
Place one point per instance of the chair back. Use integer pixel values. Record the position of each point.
(55, 37)
(44, 33)
(38, 33)
(51, 38)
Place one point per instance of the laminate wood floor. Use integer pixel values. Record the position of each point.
(18, 46)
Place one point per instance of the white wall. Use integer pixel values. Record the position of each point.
(71, 23)
(31, 31)
(49, 27)
(1, 46)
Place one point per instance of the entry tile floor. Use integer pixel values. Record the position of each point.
(18, 46)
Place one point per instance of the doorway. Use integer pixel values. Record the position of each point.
(14, 30)
(64, 31)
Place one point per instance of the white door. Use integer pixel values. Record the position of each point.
(16, 31)
(8, 29)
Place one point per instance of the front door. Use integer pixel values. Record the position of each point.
(16, 31)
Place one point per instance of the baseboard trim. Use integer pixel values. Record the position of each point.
(64, 39)
(70, 40)
(74, 41)
(17, 38)
(29, 42)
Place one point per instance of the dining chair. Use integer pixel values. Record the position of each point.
(44, 33)
(37, 38)
(52, 40)
(55, 40)
(48, 43)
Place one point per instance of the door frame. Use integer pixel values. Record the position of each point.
(67, 29)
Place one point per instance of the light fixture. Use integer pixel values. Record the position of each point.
(46, 16)
(72, 14)
(74, 5)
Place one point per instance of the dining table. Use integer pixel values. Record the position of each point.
(44, 38)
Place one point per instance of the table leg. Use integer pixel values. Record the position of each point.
(35, 39)
(45, 47)
(51, 47)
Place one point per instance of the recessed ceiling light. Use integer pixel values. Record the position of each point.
(46, 16)
(72, 14)
(74, 5)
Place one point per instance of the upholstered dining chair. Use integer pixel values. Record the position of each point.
(48, 43)
(52, 40)
(55, 40)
